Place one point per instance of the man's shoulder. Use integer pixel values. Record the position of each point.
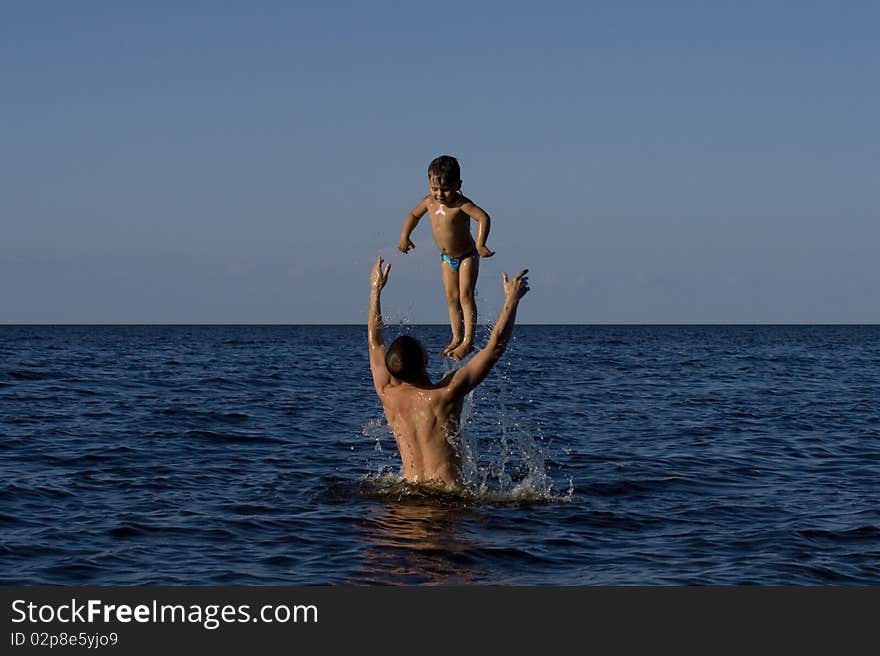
(428, 393)
(450, 387)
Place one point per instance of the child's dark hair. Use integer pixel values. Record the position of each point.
(406, 358)
(446, 168)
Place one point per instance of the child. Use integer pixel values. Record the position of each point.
(459, 255)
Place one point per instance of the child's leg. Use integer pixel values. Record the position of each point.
(467, 284)
(450, 285)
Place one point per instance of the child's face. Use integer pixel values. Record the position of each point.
(442, 190)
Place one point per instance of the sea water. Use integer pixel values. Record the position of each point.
(593, 455)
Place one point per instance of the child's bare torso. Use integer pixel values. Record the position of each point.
(451, 227)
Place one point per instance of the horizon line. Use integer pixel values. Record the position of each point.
(279, 324)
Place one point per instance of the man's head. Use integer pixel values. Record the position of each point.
(444, 178)
(406, 359)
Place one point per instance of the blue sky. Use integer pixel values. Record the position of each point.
(245, 162)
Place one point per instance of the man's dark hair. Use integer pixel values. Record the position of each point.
(406, 358)
(445, 168)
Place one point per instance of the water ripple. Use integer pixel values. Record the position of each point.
(602, 455)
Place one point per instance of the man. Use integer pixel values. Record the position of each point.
(425, 416)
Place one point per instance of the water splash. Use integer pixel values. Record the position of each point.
(377, 429)
(514, 462)
(391, 487)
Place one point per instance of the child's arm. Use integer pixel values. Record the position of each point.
(412, 220)
(375, 331)
(484, 223)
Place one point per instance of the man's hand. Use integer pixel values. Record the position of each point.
(378, 278)
(518, 287)
(485, 252)
(405, 245)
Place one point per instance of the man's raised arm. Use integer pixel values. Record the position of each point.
(473, 373)
(375, 330)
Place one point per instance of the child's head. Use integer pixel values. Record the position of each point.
(444, 178)
(444, 169)
(407, 359)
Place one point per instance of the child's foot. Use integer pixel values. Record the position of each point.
(461, 350)
(451, 346)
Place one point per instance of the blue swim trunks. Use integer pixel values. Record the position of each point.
(455, 262)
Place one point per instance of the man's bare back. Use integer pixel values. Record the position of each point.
(425, 416)
(425, 422)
